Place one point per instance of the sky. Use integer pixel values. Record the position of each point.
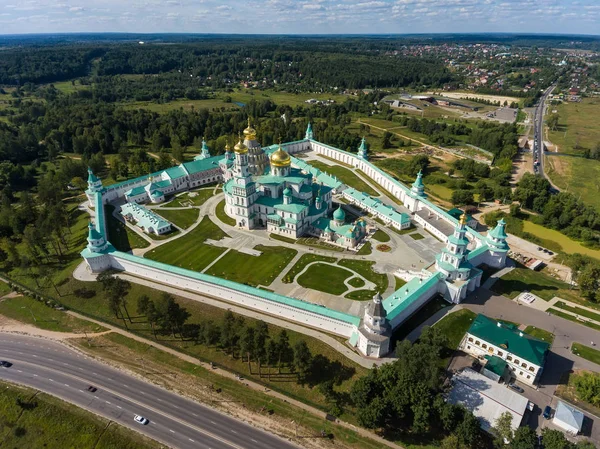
(300, 16)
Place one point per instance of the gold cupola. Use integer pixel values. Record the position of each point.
(463, 219)
(249, 132)
(240, 148)
(280, 158)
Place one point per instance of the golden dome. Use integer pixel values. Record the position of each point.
(249, 132)
(240, 148)
(463, 219)
(227, 147)
(280, 158)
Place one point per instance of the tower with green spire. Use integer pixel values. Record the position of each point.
(96, 241)
(362, 150)
(204, 152)
(94, 186)
(418, 188)
(498, 248)
(309, 132)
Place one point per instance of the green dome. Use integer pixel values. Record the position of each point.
(339, 214)
(287, 191)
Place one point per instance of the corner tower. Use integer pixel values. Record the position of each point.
(362, 150)
(309, 132)
(498, 248)
(94, 186)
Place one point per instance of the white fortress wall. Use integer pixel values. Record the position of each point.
(164, 274)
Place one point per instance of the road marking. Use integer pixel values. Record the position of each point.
(19, 371)
(80, 369)
(172, 431)
(195, 415)
(35, 375)
(118, 406)
(36, 356)
(66, 385)
(191, 440)
(213, 422)
(107, 402)
(233, 431)
(254, 440)
(81, 391)
(51, 380)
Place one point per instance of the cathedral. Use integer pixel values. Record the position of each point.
(266, 192)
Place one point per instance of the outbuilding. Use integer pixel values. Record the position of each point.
(568, 418)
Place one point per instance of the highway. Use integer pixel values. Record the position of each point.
(538, 132)
(174, 420)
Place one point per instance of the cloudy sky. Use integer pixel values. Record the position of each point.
(300, 16)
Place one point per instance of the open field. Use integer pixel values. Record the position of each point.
(43, 421)
(537, 282)
(578, 131)
(34, 312)
(190, 251)
(346, 176)
(222, 215)
(325, 278)
(253, 270)
(381, 236)
(540, 333)
(196, 198)
(182, 218)
(591, 354)
(567, 244)
(281, 98)
(365, 269)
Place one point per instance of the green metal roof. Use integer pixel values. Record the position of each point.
(377, 206)
(271, 296)
(176, 172)
(140, 190)
(294, 208)
(144, 217)
(525, 347)
(457, 213)
(499, 231)
(339, 214)
(495, 364)
(457, 241)
(402, 298)
(91, 176)
(202, 164)
(419, 181)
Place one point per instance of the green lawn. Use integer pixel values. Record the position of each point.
(416, 236)
(361, 295)
(253, 270)
(34, 312)
(537, 282)
(424, 313)
(346, 176)
(365, 250)
(365, 269)
(51, 423)
(190, 251)
(567, 244)
(182, 218)
(121, 237)
(196, 198)
(540, 333)
(399, 283)
(315, 242)
(303, 262)
(591, 354)
(381, 236)
(566, 316)
(282, 238)
(455, 325)
(578, 311)
(356, 282)
(325, 278)
(221, 215)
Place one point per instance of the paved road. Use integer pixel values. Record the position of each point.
(538, 131)
(174, 420)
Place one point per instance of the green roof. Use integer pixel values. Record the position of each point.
(294, 208)
(406, 295)
(508, 337)
(271, 296)
(457, 213)
(201, 165)
(457, 241)
(499, 231)
(495, 364)
(140, 190)
(144, 217)
(91, 176)
(176, 172)
(339, 214)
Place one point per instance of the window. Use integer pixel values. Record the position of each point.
(528, 376)
(468, 347)
(523, 365)
(484, 346)
(509, 358)
(532, 369)
(500, 353)
(516, 361)
(520, 373)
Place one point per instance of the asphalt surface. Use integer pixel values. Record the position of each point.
(538, 130)
(175, 421)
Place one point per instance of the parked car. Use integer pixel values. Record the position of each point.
(5, 364)
(140, 419)
(547, 412)
(92, 389)
(516, 388)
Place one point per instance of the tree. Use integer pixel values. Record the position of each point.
(143, 303)
(302, 359)
(247, 344)
(228, 332)
(462, 197)
(417, 164)
(387, 140)
(589, 283)
(170, 314)
(554, 439)
(503, 429)
(468, 430)
(284, 350)
(524, 438)
(261, 334)
(272, 354)
(587, 386)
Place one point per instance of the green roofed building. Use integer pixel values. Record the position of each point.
(147, 220)
(524, 355)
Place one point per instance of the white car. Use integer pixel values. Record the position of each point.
(140, 419)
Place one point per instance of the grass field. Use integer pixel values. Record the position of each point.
(221, 215)
(454, 327)
(346, 176)
(537, 282)
(591, 354)
(540, 333)
(381, 236)
(567, 244)
(578, 130)
(121, 237)
(190, 251)
(365, 269)
(282, 98)
(566, 316)
(365, 250)
(187, 105)
(578, 311)
(303, 262)
(182, 218)
(253, 270)
(31, 311)
(416, 236)
(325, 278)
(197, 198)
(44, 421)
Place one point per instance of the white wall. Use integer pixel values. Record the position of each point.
(243, 299)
